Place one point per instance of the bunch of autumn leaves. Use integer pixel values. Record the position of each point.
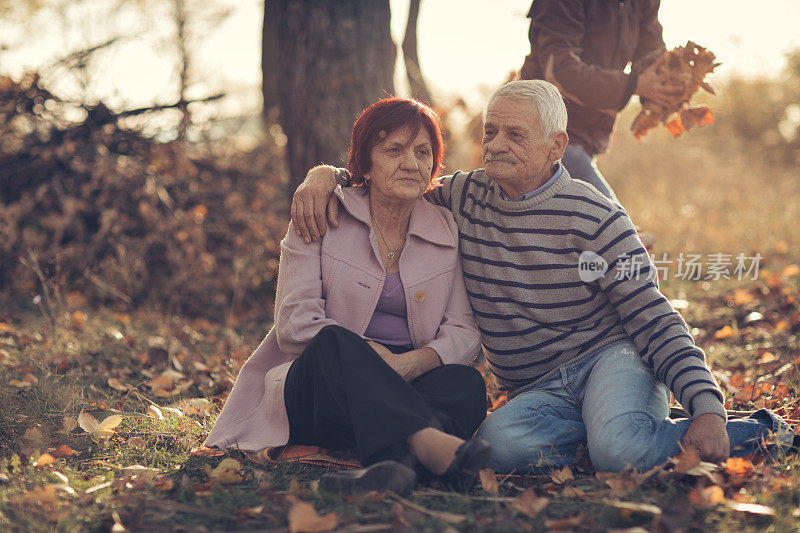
(686, 66)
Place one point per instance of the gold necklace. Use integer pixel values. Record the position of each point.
(390, 253)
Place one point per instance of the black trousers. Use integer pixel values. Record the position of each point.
(341, 395)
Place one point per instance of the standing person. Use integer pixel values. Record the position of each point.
(587, 356)
(373, 329)
(584, 48)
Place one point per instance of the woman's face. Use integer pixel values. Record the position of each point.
(401, 166)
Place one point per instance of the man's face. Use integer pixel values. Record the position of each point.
(515, 154)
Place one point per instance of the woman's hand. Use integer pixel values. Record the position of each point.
(310, 201)
(410, 365)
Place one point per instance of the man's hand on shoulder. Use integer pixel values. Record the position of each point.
(310, 201)
(707, 435)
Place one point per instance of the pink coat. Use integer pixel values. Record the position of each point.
(338, 282)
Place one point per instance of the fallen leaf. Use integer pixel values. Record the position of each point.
(741, 297)
(619, 484)
(115, 384)
(155, 412)
(44, 460)
(139, 470)
(38, 495)
(767, 357)
(752, 508)
(251, 511)
(499, 402)
(572, 492)
(565, 523)
(163, 484)
(629, 508)
(161, 382)
(172, 412)
(63, 451)
(686, 460)
(294, 487)
(118, 526)
(99, 486)
(749, 393)
(738, 466)
(68, 424)
(136, 442)
(774, 280)
(102, 429)
(560, 477)
(78, 320)
(726, 332)
(227, 472)
(27, 381)
(488, 480)
(196, 406)
(33, 435)
(705, 497)
(303, 518)
(790, 271)
(529, 504)
(737, 380)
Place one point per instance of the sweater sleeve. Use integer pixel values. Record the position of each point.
(659, 332)
(557, 32)
(442, 193)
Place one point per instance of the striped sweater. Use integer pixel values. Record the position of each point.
(535, 309)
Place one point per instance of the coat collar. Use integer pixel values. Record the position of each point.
(427, 222)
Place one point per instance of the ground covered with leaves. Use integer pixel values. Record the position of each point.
(101, 410)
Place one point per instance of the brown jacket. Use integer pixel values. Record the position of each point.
(582, 47)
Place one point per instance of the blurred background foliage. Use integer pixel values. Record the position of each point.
(180, 202)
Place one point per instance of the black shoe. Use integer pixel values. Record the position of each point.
(795, 445)
(380, 477)
(463, 471)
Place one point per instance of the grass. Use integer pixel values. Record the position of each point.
(72, 358)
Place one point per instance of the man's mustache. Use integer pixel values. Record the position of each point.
(504, 159)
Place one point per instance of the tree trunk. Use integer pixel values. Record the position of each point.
(181, 41)
(419, 90)
(269, 65)
(334, 59)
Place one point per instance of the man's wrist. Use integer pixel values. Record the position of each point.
(342, 177)
(707, 402)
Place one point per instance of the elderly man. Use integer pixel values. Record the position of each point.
(586, 346)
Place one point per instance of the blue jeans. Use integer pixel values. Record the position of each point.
(611, 402)
(582, 166)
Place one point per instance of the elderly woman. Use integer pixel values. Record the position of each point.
(373, 328)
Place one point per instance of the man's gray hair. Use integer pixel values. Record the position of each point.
(552, 111)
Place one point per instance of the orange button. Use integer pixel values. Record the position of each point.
(420, 296)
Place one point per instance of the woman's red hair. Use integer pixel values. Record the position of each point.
(387, 116)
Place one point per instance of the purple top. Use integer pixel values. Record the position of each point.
(388, 324)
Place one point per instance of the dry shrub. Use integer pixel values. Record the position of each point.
(132, 220)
